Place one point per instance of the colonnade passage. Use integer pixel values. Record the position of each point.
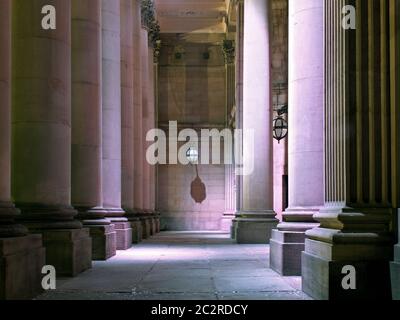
(85, 83)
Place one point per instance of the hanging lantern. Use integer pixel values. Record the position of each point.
(192, 155)
(280, 127)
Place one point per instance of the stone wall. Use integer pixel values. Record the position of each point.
(192, 91)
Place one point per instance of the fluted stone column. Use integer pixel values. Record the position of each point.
(151, 124)
(87, 195)
(133, 216)
(112, 126)
(306, 171)
(41, 151)
(230, 198)
(239, 7)
(138, 115)
(394, 22)
(145, 217)
(360, 196)
(256, 218)
(18, 251)
(127, 92)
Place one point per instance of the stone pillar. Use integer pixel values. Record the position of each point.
(133, 217)
(86, 127)
(230, 199)
(256, 218)
(359, 194)
(151, 124)
(112, 126)
(239, 7)
(18, 251)
(145, 214)
(306, 171)
(394, 19)
(41, 152)
(127, 92)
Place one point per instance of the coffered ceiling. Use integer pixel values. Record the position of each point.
(195, 16)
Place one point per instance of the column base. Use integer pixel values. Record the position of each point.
(21, 263)
(395, 273)
(122, 227)
(285, 252)
(104, 242)
(158, 223)
(69, 251)
(226, 222)
(123, 233)
(136, 227)
(322, 277)
(288, 239)
(255, 227)
(146, 232)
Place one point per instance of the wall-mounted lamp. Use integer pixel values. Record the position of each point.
(280, 127)
(280, 124)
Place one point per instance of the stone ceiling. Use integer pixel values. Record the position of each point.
(192, 16)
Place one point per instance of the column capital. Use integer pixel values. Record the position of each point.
(150, 22)
(228, 47)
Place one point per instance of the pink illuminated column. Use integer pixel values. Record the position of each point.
(112, 127)
(151, 125)
(127, 104)
(41, 150)
(146, 116)
(20, 272)
(137, 122)
(256, 217)
(87, 126)
(138, 114)
(306, 191)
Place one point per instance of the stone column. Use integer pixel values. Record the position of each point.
(256, 218)
(112, 126)
(18, 251)
(306, 171)
(394, 22)
(133, 217)
(151, 124)
(230, 199)
(127, 92)
(359, 195)
(146, 219)
(41, 152)
(239, 7)
(87, 195)
(138, 114)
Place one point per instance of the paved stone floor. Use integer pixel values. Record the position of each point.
(182, 266)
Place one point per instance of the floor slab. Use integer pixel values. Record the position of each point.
(182, 266)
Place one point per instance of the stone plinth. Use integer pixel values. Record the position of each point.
(395, 273)
(254, 227)
(286, 248)
(123, 232)
(136, 227)
(21, 263)
(322, 277)
(146, 228)
(104, 241)
(287, 242)
(69, 251)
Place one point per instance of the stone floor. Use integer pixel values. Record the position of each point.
(182, 266)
